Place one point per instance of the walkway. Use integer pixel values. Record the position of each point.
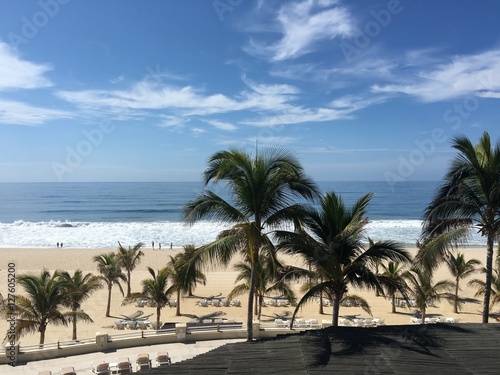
(82, 363)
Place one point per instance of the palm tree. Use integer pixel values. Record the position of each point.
(130, 258)
(460, 269)
(184, 272)
(109, 266)
(480, 285)
(424, 290)
(271, 278)
(262, 190)
(469, 197)
(40, 304)
(331, 240)
(394, 281)
(155, 288)
(78, 288)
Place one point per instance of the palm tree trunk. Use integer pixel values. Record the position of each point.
(74, 323)
(158, 312)
(108, 308)
(423, 315)
(178, 308)
(261, 300)
(42, 334)
(128, 284)
(489, 269)
(256, 307)
(393, 303)
(455, 308)
(321, 312)
(336, 308)
(251, 293)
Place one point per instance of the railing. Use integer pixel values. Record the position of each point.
(56, 345)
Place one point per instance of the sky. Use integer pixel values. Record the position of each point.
(123, 90)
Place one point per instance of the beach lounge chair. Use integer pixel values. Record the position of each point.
(45, 372)
(143, 361)
(131, 324)
(119, 325)
(172, 303)
(101, 368)
(207, 321)
(345, 322)
(70, 370)
(203, 303)
(163, 359)
(216, 303)
(313, 323)
(236, 302)
(272, 302)
(225, 302)
(280, 323)
(123, 365)
(142, 324)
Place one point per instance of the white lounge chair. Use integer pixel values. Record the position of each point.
(203, 303)
(123, 365)
(313, 323)
(280, 323)
(101, 368)
(143, 361)
(131, 324)
(345, 322)
(45, 372)
(119, 325)
(236, 302)
(142, 324)
(70, 370)
(162, 359)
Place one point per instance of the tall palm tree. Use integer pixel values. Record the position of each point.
(184, 274)
(155, 288)
(78, 288)
(331, 239)
(394, 281)
(460, 269)
(469, 197)
(109, 266)
(40, 304)
(262, 190)
(130, 258)
(271, 278)
(424, 290)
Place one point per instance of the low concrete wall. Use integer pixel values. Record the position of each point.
(104, 342)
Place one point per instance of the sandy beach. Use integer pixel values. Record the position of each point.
(219, 282)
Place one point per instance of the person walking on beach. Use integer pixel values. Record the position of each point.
(159, 246)
(153, 245)
(58, 244)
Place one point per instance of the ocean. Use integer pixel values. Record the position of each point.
(98, 215)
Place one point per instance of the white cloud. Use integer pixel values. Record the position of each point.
(221, 125)
(17, 113)
(20, 74)
(303, 24)
(463, 75)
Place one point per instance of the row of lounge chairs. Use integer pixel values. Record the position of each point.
(433, 320)
(143, 302)
(122, 365)
(219, 302)
(136, 324)
(297, 323)
(361, 322)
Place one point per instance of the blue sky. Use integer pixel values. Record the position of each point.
(147, 90)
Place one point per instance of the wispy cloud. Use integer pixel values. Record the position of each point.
(17, 73)
(17, 113)
(221, 125)
(464, 75)
(303, 25)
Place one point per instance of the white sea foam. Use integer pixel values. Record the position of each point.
(106, 234)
